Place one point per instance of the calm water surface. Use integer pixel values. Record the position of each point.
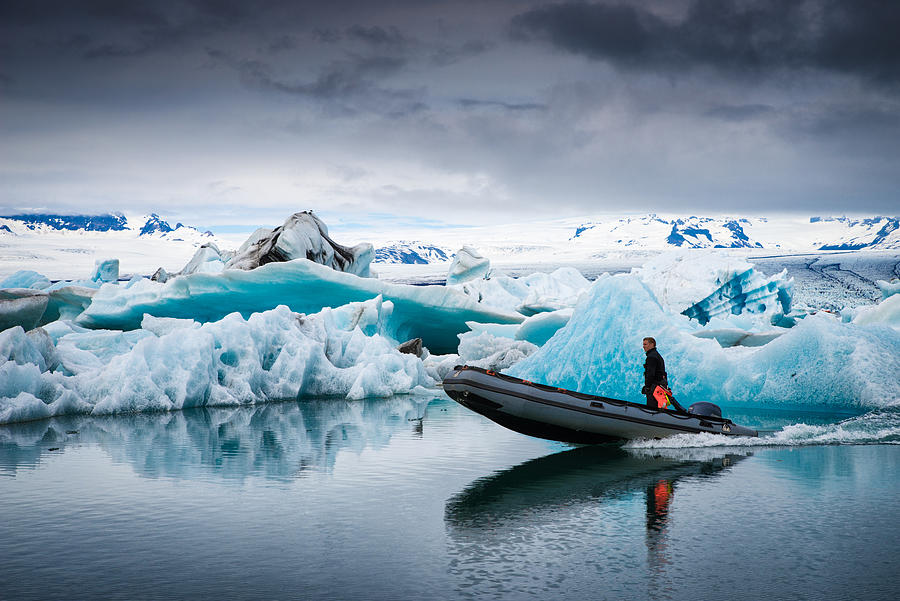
(411, 498)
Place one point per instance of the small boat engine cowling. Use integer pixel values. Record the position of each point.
(705, 409)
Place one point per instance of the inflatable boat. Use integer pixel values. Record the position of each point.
(569, 416)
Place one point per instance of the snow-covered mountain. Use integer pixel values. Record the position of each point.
(412, 253)
(816, 233)
(66, 246)
(143, 225)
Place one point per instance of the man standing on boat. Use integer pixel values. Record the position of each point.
(654, 372)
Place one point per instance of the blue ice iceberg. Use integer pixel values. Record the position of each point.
(25, 278)
(819, 363)
(105, 270)
(888, 288)
(709, 285)
(432, 313)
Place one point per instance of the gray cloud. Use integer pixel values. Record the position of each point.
(736, 38)
(348, 85)
(413, 107)
(509, 106)
(739, 112)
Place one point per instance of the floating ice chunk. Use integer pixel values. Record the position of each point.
(105, 270)
(467, 265)
(550, 292)
(302, 236)
(274, 355)
(504, 330)
(735, 337)
(434, 313)
(21, 307)
(538, 329)
(531, 294)
(887, 312)
(25, 278)
(820, 362)
(703, 286)
(207, 259)
(481, 349)
(887, 288)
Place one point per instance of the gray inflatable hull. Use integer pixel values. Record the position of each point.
(568, 416)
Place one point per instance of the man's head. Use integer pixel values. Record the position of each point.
(649, 343)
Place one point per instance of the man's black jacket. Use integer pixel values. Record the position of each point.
(654, 370)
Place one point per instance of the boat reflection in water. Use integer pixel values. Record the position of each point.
(514, 525)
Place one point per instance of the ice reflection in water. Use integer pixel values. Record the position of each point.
(280, 441)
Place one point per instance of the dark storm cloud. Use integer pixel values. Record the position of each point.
(348, 85)
(382, 37)
(741, 38)
(447, 55)
(100, 29)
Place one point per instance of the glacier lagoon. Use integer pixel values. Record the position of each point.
(415, 497)
(466, 509)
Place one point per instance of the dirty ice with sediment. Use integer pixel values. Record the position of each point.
(292, 314)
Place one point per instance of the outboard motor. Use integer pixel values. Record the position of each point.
(705, 409)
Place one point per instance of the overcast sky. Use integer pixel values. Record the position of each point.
(216, 112)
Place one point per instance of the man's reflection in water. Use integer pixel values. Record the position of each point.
(659, 496)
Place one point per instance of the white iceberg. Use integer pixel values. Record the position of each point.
(174, 364)
(468, 264)
(528, 295)
(207, 259)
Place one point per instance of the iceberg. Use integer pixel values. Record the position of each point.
(887, 312)
(105, 270)
(25, 278)
(433, 313)
(174, 364)
(888, 288)
(528, 295)
(708, 285)
(467, 265)
(821, 362)
(207, 259)
(21, 307)
(303, 235)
